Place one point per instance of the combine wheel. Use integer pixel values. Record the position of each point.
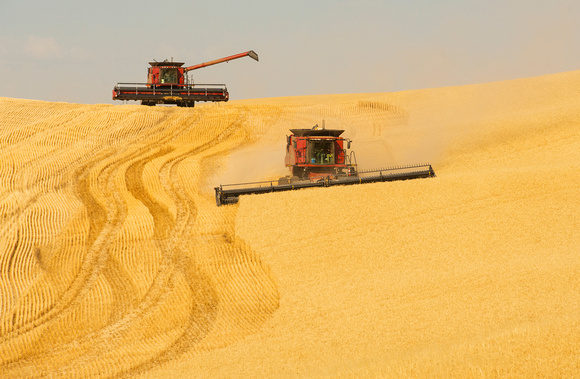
(299, 172)
(186, 103)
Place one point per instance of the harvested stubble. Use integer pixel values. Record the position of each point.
(115, 259)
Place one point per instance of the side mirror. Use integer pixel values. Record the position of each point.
(348, 144)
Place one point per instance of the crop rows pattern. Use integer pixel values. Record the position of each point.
(110, 258)
(113, 259)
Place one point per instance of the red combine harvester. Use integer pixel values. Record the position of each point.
(168, 83)
(318, 158)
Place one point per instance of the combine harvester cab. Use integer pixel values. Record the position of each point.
(168, 83)
(319, 158)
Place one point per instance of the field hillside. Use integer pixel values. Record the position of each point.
(116, 261)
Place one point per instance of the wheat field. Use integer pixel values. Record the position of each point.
(116, 262)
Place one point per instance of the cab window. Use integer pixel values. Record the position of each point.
(322, 153)
(168, 75)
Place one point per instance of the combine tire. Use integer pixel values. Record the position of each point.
(186, 103)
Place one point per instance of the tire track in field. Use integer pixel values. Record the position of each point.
(188, 263)
(96, 183)
(105, 213)
(29, 191)
(30, 176)
(103, 220)
(165, 236)
(170, 231)
(101, 214)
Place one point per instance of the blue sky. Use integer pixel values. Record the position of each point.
(76, 51)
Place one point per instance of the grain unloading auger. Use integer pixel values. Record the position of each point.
(319, 158)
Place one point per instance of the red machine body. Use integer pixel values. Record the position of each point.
(168, 83)
(165, 74)
(315, 153)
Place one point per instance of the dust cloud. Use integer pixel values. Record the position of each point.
(253, 164)
(435, 128)
(373, 153)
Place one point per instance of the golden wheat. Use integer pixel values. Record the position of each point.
(115, 260)
(103, 255)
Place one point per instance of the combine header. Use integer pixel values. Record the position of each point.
(319, 158)
(168, 83)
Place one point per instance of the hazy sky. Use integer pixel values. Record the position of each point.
(76, 51)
